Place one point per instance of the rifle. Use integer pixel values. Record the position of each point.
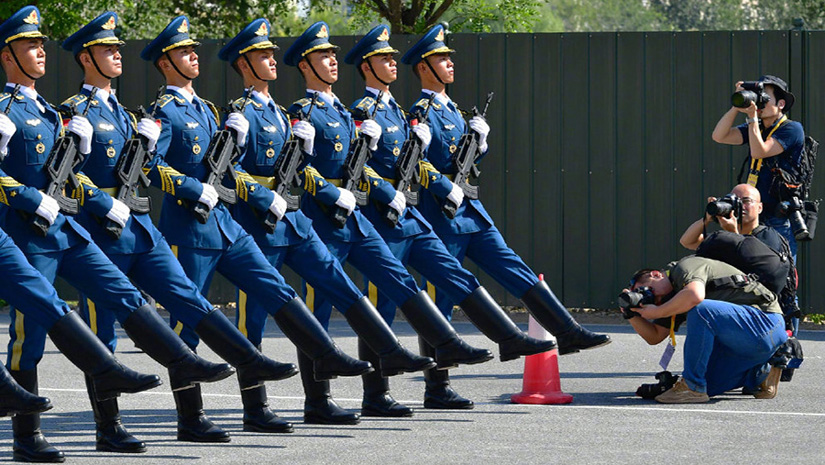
(465, 164)
(407, 171)
(286, 171)
(129, 171)
(8, 106)
(219, 156)
(357, 158)
(59, 167)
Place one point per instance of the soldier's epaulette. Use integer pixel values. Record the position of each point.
(6, 95)
(423, 103)
(302, 102)
(365, 104)
(74, 100)
(166, 98)
(215, 112)
(239, 102)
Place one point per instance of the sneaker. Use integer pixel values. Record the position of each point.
(768, 388)
(680, 393)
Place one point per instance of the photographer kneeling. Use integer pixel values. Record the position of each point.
(732, 332)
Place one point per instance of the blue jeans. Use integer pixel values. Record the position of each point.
(728, 346)
(783, 227)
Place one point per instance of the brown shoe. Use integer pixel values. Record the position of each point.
(680, 393)
(768, 388)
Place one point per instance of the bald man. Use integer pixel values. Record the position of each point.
(751, 208)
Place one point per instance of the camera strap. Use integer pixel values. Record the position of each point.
(756, 164)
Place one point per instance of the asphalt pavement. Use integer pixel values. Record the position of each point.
(605, 424)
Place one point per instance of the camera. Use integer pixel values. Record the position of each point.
(725, 206)
(752, 92)
(650, 391)
(792, 209)
(637, 298)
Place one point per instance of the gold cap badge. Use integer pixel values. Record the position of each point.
(109, 25)
(184, 27)
(31, 18)
(440, 36)
(323, 32)
(262, 30)
(385, 36)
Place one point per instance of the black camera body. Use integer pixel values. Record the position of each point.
(792, 209)
(752, 92)
(636, 298)
(725, 206)
(650, 391)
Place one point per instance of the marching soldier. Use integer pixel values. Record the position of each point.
(188, 124)
(294, 242)
(411, 239)
(60, 246)
(140, 251)
(472, 233)
(357, 241)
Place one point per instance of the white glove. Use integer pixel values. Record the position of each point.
(480, 126)
(346, 200)
(119, 213)
(209, 196)
(149, 129)
(456, 195)
(48, 208)
(278, 206)
(240, 124)
(305, 131)
(83, 128)
(399, 203)
(372, 130)
(7, 129)
(423, 132)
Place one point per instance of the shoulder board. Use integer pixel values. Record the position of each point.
(4, 96)
(239, 101)
(166, 98)
(422, 103)
(302, 102)
(365, 104)
(74, 101)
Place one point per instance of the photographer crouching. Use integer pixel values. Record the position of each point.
(732, 332)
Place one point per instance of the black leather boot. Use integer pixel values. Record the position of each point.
(319, 408)
(73, 337)
(16, 400)
(257, 416)
(430, 324)
(553, 316)
(377, 399)
(110, 435)
(301, 327)
(438, 393)
(29, 443)
(253, 368)
(486, 315)
(153, 336)
(193, 424)
(372, 330)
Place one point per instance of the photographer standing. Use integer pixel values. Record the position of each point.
(774, 140)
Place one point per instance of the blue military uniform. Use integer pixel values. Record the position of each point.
(140, 252)
(220, 244)
(357, 242)
(294, 242)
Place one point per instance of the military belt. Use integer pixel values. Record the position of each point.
(336, 182)
(109, 190)
(266, 181)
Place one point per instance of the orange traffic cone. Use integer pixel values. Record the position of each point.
(541, 383)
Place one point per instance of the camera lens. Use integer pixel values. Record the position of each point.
(719, 208)
(743, 98)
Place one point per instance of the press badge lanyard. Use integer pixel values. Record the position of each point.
(756, 165)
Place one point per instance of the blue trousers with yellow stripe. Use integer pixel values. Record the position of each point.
(158, 273)
(371, 256)
(86, 268)
(244, 265)
(426, 254)
(488, 250)
(324, 275)
(32, 298)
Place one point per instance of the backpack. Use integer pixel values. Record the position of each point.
(755, 257)
(795, 181)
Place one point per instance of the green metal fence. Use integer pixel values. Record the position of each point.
(600, 147)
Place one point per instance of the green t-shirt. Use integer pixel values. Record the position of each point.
(693, 268)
